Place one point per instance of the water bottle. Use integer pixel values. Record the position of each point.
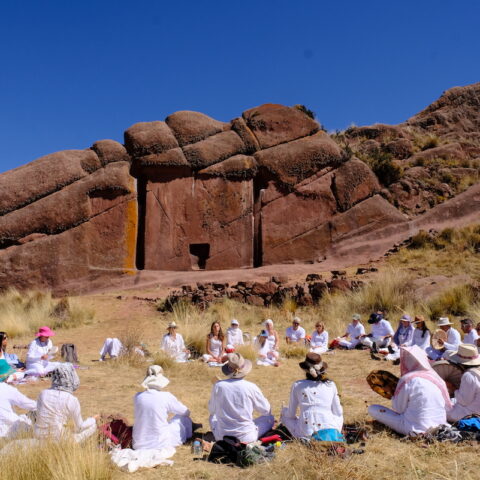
(197, 449)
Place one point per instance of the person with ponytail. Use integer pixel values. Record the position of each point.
(318, 401)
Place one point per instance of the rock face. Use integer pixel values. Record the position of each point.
(193, 193)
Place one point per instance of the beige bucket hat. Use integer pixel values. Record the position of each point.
(236, 366)
(465, 355)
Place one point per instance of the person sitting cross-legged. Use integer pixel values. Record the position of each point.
(295, 333)
(421, 398)
(233, 402)
(152, 428)
(174, 345)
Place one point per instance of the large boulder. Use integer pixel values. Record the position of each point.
(145, 138)
(273, 124)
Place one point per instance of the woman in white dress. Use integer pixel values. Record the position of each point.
(40, 352)
(421, 334)
(266, 356)
(57, 406)
(421, 398)
(152, 428)
(317, 399)
(319, 340)
(173, 344)
(214, 346)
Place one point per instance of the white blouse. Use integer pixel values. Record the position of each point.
(215, 346)
(36, 350)
(234, 336)
(10, 397)
(175, 347)
(319, 340)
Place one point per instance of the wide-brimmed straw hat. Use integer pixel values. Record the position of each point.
(313, 364)
(356, 316)
(172, 325)
(234, 322)
(154, 379)
(465, 355)
(406, 318)
(297, 320)
(45, 332)
(236, 366)
(419, 319)
(5, 370)
(443, 321)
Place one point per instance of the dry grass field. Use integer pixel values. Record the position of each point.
(109, 387)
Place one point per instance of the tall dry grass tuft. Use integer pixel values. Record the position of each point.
(56, 461)
(247, 351)
(454, 301)
(21, 313)
(293, 351)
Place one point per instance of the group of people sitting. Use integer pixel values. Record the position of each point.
(421, 400)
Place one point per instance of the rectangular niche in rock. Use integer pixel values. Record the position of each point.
(199, 254)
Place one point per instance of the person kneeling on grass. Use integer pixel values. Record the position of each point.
(318, 401)
(233, 401)
(12, 424)
(421, 398)
(152, 428)
(57, 405)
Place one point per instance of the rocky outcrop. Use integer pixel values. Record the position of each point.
(194, 193)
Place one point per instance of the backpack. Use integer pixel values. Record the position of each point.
(117, 431)
(69, 353)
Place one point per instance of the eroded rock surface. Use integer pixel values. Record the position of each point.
(269, 187)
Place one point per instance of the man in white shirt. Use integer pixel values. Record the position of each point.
(352, 337)
(233, 401)
(153, 427)
(295, 333)
(12, 424)
(452, 342)
(234, 334)
(381, 335)
(471, 335)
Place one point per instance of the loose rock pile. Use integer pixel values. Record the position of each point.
(274, 292)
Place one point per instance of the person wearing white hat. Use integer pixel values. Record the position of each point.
(452, 342)
(174, 345)
(295, 333)
(233, 402)
(467, 397)
(471, 335)
(234, 334)
(152, 428)
(354, 333)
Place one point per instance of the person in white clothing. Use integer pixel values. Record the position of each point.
(381, 335)
(467, 397)
(319, 340)
(471, 336)
(421, 398)
(317, 399)
(152, 428)
(295, 333)
(40, 352)
(174, 345)
(12, 424)
(266, 355)
(57, 406)
(403, 337)
(273, 337)
(452, 342)
(233, 402)
(112, 347)
(11, 358)
(353, 335)
(234, 334)
(215, 345)
(421, 334)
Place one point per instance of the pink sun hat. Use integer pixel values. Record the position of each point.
(45, 332)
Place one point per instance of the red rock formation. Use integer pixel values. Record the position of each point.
(194, 193)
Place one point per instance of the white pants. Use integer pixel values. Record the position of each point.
(293, 424)
(20, 427)
(350, 344)
(112, 347)
(270, 359)
(263, 425)
(389, 418)
(318, 349)
(180, 427)
(368, 342)
(40, 369)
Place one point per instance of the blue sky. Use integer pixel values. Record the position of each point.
(72, 73)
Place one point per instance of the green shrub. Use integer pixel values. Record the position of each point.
(384, 167)
(306, 111)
